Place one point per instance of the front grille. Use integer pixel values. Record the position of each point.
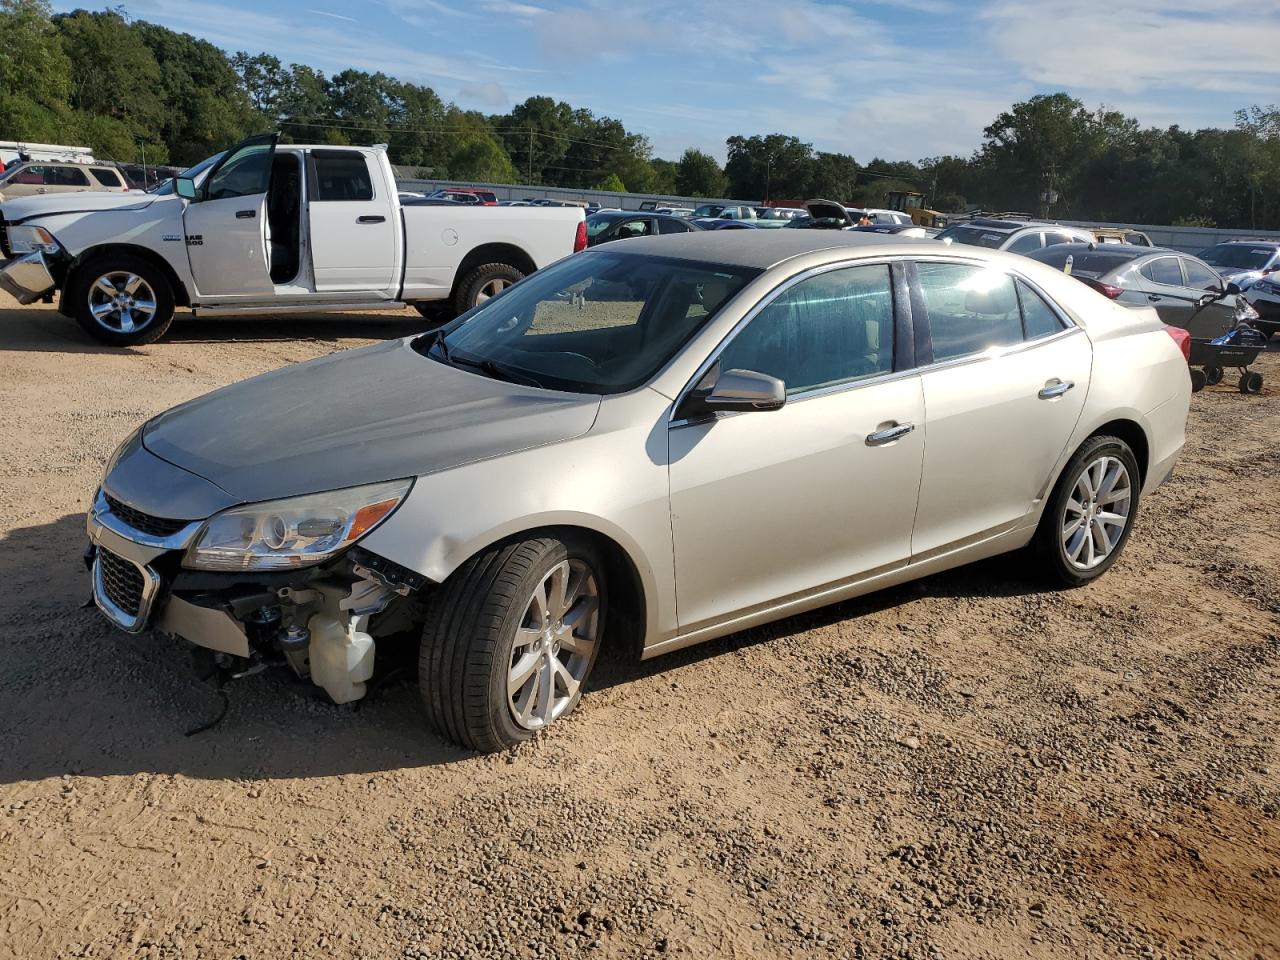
(122, 581)
(144, 522)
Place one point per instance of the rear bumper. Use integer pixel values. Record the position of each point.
(26, 278)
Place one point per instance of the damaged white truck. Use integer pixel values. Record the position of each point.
(269, 228)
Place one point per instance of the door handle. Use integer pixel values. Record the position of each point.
(41, 190)
(1154, 298)
(889, 434)
(1055, 388)
(371, 219)
(246, 214)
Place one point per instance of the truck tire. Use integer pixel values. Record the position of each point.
(481, 283)
(122, 300)
(510, 640)
(1090, 513)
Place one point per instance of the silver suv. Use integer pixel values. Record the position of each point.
(1014, 236)
(33, 179)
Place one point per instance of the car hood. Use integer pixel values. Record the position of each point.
(25, 208)
(362, 416)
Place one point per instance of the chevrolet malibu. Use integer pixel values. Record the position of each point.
(651, 444)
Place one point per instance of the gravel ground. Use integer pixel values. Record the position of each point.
(968, 766)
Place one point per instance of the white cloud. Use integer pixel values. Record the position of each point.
(333, 16)
(488, 96)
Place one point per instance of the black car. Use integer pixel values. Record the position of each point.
(621, 224)
(1167, 280)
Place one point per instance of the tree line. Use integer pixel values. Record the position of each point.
(134, 90)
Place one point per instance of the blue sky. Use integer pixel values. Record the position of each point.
(903, 79)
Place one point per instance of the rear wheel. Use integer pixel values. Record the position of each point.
(483, 282)
(1198, 379)
(1087, 521)
(122, 300)
(510, 640)
(1250, 382)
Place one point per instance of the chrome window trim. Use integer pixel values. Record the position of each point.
(1070, 328)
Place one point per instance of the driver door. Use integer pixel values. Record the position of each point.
(225, 225)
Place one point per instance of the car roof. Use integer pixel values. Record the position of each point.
(757, 249)
(1132, 249)
(625, 214)
(1260, 242)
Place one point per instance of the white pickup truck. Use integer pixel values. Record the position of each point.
(269, 228)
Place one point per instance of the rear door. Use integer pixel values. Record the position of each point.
(1213, 319)
(1003, 393)
(354, 224)
(226, 224)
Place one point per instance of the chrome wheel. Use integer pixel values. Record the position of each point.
(121, 302)
(1096, 513)
(492, 289)
(554, 645)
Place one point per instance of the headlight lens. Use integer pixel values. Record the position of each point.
(298, 532)
(29, 239)
(1244, 310)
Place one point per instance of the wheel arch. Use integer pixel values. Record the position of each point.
(632, 590)
(507, 253)
(1132, 433)
(181, 298)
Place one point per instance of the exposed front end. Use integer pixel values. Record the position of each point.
(27, 278)
(322, 620)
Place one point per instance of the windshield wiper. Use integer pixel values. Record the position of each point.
(496, 370)
(439, 341)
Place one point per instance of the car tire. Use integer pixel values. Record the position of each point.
(1075, 526)
(131, 279)
(492, 650)
(483, 282)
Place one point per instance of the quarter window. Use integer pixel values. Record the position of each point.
(107, 177)
(1038, 319)
(672, 226)
(1163, 270)
(970, 308)
(342, 175)
(832, 328)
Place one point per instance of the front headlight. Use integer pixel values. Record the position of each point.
(1244, 310)
(298, 532)
(29, 239)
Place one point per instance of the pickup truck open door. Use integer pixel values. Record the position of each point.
(225, 224)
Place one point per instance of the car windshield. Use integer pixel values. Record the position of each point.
(191, 173)
(597, 225)
(1237, 256)
(974, 236)
(709, 210)
(1084, 262)
(593, 323)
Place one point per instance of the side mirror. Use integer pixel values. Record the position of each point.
(1232, 288)
(736, 390)
(185, 187)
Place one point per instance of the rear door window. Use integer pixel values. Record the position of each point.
(672, 226)
(342, 175)
(1025, 243)
(1038, 318)
(970, 308)
(1163, 270)
(66, 177)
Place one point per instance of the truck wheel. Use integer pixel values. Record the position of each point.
(510, 640)
(1090, 514)
(485, 281)
(122, 300)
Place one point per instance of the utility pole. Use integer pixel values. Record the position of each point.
(531, 156)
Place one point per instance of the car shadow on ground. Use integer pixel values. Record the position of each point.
(45, 331)
(79, 697)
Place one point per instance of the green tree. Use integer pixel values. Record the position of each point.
(776, 165)
(537, 135)
(483, 159)
(664, 175)
(698, 175)
(113, 72)
(613, 183)
(833, 176)
(33, 65)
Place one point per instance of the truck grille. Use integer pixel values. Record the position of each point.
(144, 522)
(122, 582)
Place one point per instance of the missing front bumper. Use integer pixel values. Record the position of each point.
(26, 278)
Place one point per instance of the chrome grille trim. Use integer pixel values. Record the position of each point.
(118, 584)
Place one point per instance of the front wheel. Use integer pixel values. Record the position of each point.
(1090, 513)
(122, 300)
(510, 640)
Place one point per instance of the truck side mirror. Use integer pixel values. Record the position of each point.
(185, 187)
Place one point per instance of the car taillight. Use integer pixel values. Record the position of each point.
(580, 241)
(1108, 290)
(1182, 338)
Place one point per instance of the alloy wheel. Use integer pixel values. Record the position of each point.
(121, 302)
(1097, 512)
(492, 289)
(554, 645)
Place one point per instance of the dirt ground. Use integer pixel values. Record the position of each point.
(964, 767)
